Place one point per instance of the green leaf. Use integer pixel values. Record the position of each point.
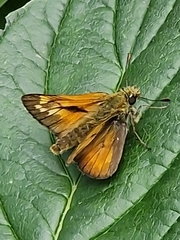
(2, 2)
(81, 46)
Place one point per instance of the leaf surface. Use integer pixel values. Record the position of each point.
(75, 47)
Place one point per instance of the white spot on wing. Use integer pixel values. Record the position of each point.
(38, 106)
(52, 111)
(43, 109)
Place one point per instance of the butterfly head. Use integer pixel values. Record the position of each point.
(132, 93)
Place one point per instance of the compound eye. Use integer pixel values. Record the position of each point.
(132, 100)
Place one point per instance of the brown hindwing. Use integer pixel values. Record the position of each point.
(98, 155)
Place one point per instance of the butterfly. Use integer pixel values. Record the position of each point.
(95, 124)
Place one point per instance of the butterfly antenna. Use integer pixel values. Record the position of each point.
(127, 66)
(156, 100)
(128, 61)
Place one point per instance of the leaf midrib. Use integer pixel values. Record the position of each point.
(67, 207)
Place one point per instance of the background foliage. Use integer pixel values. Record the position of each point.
(54, 46)
(7, 6)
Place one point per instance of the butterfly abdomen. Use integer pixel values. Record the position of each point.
(75, 136)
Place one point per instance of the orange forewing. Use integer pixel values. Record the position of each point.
(62, 113)
(99, 154)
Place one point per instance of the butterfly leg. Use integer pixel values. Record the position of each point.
(136, 114)
(135, 117)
